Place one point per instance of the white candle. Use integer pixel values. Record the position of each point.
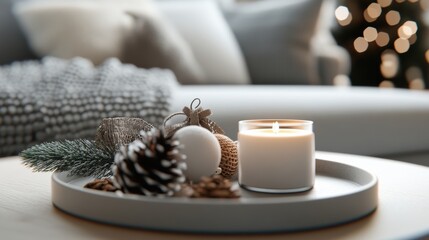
(276, 157)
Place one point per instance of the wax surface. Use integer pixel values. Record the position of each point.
(280, 160)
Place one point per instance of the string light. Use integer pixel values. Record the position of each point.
(415, 78)
(389, 24)
(347, 21)
(370, 34)
(405, 32)
(382, 39)
(401, 45)
(367, 17)
(389, 55)
(374, 10)
(386, 84)
(413, 73)
(388, 70)
(393, 17)
(389, 64)
(412, 25)
(417, 84)
(343, 15)
(384, 3)
(360, 44)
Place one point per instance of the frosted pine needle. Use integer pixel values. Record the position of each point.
(80, 157)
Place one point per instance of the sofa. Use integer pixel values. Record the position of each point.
(246, 60)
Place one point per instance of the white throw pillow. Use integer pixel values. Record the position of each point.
(66, 29)
(203, 26)
(130, 30)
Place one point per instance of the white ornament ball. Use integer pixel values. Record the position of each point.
(202, 150)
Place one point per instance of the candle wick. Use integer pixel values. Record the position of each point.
(276, 127)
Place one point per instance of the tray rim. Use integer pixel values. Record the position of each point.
(253, 215)
(56, 177)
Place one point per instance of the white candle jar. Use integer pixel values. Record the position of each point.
(276, 155)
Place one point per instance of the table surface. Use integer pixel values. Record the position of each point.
(26, 210)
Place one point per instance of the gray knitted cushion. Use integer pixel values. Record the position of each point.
(59, 99)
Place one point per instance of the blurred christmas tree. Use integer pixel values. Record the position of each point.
(386, 40)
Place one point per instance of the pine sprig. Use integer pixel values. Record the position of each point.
(81, 157)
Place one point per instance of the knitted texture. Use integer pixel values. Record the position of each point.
(229, 158)
(56, 99)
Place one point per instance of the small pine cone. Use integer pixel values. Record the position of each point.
(214, 187)
(150, 166)
(229, 159)
(186, 190)
(103, 184)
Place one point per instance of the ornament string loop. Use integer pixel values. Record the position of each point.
(194, 116)
(198, 104)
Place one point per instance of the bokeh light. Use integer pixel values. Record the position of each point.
(367, 17)
(370, 34)
(417, 84)
(412, 25)
(405, 32)
(374, 10)
(413, 73)
(382, 39)
(384, 3)
(389, 64)
(401, 45)
(341, 13)
(386, 84)
(393, 17)
(360, 44)
(389, 55)
(390, 26)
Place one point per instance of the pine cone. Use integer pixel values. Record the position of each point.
(150, 166)
(103, 184)
(214, 187)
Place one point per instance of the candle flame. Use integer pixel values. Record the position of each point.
(276, 127)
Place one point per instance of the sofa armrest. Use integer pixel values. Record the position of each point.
(357, 120)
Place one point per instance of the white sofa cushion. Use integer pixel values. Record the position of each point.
(203, 26)
(131, 30)
(359, 120)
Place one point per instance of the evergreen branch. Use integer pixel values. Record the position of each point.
(81, 157)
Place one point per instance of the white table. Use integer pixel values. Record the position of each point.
(26, 211)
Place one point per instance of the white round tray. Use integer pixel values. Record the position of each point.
(341, 193)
